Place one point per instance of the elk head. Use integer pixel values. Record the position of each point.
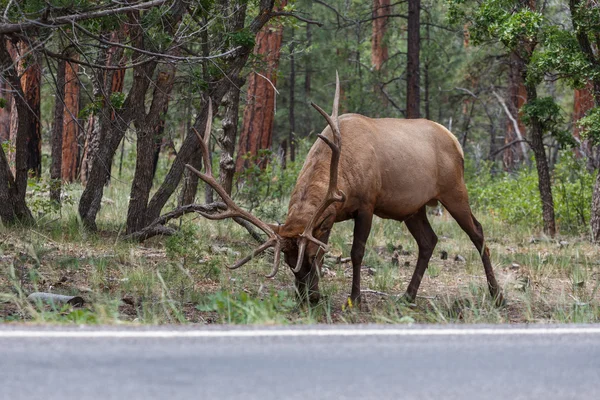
(303, 237)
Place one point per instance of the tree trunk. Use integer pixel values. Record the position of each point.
(413, 97)
(583, 38)
(541, 163)
(70, 148)
(5, 110)
(227, 140)
(13, 188)
(14, 209)
(512, 155)
(583, 101)
(112, 124)
(379, 49)
(148, 127)
(29, 69)
(57, 133)
(257, 127)
(218, 90)
(307, 62)
(292, 117)
(113, 57)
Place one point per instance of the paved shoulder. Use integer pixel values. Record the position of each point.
(312, 362)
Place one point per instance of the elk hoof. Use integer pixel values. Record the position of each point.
(314, 298)
(352, 304)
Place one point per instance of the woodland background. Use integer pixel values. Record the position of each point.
(81, 79)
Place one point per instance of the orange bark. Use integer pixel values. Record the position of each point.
(582, 103)
(31, 75)
(70, 149)
(257, 127)
(379, 49)
(517, 97)
(116, 86)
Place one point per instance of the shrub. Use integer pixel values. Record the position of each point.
(514, 197)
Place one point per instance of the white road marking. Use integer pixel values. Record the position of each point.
(257, 333)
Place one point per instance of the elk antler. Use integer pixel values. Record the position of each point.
(233, 210)
(333, 193)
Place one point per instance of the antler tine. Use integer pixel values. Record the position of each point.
(204, 142)
(257, 251)
(233, 210)
(333, 193)
(336, 99)
(276, 260)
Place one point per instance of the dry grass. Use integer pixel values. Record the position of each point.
(182, 279)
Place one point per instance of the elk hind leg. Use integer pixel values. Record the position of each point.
(362, 228)
(419, 227)
(457, 205)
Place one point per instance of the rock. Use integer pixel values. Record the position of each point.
(52, 298)
(459, 258)
(444, 255)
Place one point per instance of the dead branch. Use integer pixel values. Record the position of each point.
(157, 226)
(298, 17)
(513, 120)
(507, 146)
(70, 19)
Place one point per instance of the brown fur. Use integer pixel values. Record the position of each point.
(391, 166)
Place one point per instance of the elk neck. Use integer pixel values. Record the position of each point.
(309, 192)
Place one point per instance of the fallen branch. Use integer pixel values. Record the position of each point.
(158, 228)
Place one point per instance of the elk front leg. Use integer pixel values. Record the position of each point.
(362, 228)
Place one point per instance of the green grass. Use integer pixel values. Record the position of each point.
(183, 279)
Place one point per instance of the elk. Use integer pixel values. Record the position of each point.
(392, 168)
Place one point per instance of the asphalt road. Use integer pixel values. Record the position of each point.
(315, 363)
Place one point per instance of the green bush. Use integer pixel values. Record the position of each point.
(515, 199)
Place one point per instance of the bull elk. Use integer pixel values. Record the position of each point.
(387, 167)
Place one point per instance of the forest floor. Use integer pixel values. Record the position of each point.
(183, 278)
